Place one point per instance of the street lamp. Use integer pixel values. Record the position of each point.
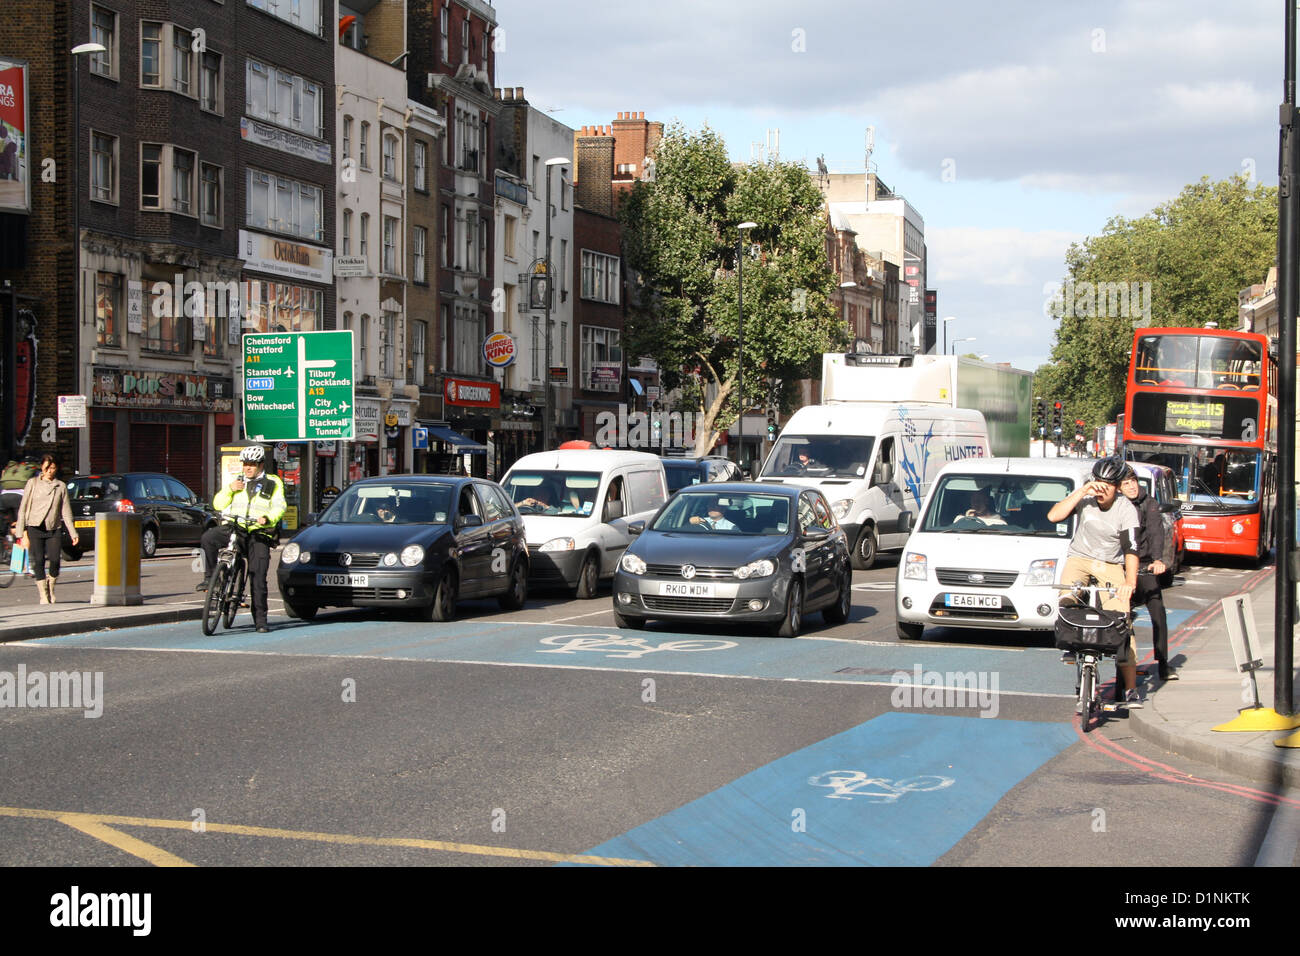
(77, 51)
(550, 282)
(956, 342)
(740, 307)
(946, 320)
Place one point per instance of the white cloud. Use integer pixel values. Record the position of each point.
(996, 257)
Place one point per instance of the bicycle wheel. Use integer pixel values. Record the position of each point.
(235, 593)
(1087, 696)
(6, 573)
(214, 600)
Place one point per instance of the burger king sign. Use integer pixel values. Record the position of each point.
(499, 349)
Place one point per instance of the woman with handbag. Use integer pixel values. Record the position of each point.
(45, 506)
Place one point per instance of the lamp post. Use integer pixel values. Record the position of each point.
(77, 51)
(946, 320)
(740, 308)
(956, 342)
(550, 282)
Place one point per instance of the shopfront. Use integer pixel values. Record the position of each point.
(469, 406)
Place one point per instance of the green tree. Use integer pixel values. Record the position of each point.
(680, 239)
(1182, 264)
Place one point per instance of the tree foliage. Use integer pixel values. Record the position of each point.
(680, 238)
(1188, 258)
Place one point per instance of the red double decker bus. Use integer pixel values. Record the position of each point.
(1204, 402)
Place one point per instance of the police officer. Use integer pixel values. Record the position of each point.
(254, 501)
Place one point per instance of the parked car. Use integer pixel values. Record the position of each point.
(683, 472)
(1158, 481)
(419, 542)
(737, 551)
(173, 514)
(983, 553)
(577, 506)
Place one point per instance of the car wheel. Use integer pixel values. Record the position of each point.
(305, 612)
(632, 623)
(443, 607)
(148, 541)
(792, 622)
(588, 578)
(864, 552)
(838, 613)
(907, 631)
(514, 598)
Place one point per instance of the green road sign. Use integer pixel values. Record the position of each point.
(298, 386)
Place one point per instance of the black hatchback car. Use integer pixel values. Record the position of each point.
(684, 472)
(173, 514)
(737, 551)
(419, 542)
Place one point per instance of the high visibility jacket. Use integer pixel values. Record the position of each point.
(261, 497)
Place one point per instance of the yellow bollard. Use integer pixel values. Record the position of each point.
(117, 559)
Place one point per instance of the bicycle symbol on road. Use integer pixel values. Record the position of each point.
(627, 648)
(848, 784)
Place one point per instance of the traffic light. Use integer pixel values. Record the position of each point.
(1040, 417)
(1057, 414)
(771, 429)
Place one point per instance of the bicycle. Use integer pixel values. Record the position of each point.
(1091, 634)
(227, 581)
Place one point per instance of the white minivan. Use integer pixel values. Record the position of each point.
(983, 553)
(874, 463)
(576, 507)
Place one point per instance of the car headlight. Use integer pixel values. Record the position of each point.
(1042, 572)
(632, 564)
(304, 557)
(289, 554)
(558, 544)
(842, 508)
(412, 555)
(915, 567)
(755, 569)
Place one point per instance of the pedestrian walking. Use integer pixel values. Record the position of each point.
(44, 508)
(1151, 545)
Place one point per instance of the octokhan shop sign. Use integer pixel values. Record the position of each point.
(472, 394)
(127, 389)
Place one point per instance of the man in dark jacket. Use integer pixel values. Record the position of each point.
(1151, 545)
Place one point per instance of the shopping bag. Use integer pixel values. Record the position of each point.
(18, 560)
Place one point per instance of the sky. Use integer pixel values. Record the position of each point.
(1014, 127)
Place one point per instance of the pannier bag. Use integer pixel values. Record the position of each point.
(1087, 628)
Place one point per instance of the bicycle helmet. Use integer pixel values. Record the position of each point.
(1111, 470)
(254, 453)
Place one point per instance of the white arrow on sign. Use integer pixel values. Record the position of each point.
(302, 382)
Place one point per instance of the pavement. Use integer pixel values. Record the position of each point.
(1179, 716)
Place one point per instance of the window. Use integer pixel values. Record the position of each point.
(469, 221)
(150, 176)
(365, 346)
(182, 60)
(446, 237)
(103, 30)
(602, 359)
(482, 246)
(150, 54)
(365, 237)
(280, 307)
(466, 341)
(419, 334)
(214, 327)
(365, 143)
(284, 205)
(600, 279)
(626, 169)
(305, 14)
(508, 238)
(390, 158)
(467, 135)
(347, 137)
(419, 160)
(347, 232)
(387, 342)
(464, 40)
(108, 310)
(289, 100)
(537, 166)
(419, 237)
(444, 20)
(166, 327)
(103, 167)
(390, 245)
(210, 194)
(182, 181)
(210, 82)
(564, 266)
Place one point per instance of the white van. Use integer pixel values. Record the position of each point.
(577, 506)
(874, 463)
(983, 553)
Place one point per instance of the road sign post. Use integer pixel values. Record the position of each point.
(298, 386)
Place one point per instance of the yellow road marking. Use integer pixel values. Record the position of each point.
(90, 819)
(91, 826)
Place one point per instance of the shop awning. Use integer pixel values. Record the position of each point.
(457, 440)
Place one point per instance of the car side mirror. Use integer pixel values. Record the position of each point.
(613, 509)
(469, 521)
(310, 519)
(816, 534)
(904, 522)
(636, 527)
(884, 473)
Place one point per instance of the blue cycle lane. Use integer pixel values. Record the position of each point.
(900, 789)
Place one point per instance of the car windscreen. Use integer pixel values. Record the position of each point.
(820, 456)
(997, 504)
(701, 512)
(393, 503)
(94, 487)
(565, 493)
